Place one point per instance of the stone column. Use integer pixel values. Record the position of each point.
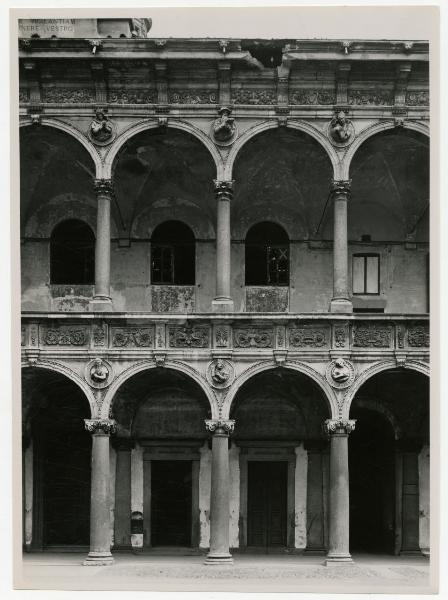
(223, 301)
(340, 303)
(219, 496)
(99, 494)
(102, 300)
(338, 551)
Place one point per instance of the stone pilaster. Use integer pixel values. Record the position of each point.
(100, 553)
(340, 303)
(102, 300)
(338, 551)
(223, 301)
(219, 497)
(122, 521)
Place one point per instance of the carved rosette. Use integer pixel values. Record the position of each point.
(220, 373)
(223, 189)
(101, 426)
(98, 373)
(340, 373)
(220, 426)
(339, 427)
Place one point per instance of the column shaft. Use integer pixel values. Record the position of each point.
(102, 299)
(223, 300)
(99, 496)
(219, 498)
(341, 298)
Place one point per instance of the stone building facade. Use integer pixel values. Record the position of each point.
(225, 293)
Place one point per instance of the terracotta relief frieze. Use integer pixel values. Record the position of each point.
(193, 97)
(417, 98)
(24, 95)
(132, 337)
(65, 336)
(189, 337)
(260, 97)
(99, 335)
(370, 97)
(68, 95)
(253, 337)
(371, 336)
(129, 96)
(418, 336)
(222, 337)
(340, 337)
(323, 97)
(308, 337)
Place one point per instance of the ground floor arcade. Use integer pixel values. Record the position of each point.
(277, 476)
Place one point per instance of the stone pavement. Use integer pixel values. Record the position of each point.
(266, 573)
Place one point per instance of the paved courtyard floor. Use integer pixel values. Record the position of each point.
(268, 573)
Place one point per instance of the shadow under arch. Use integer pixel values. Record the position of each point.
(145, 366)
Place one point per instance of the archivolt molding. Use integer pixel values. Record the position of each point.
(70, 374)
(369, 132)
(291, 124)
(146, 365)
(291, 365)
(387, 365)
(74, 132)
(134, 129)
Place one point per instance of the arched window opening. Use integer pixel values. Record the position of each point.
(267, 255)
(72, 254)
(173, 254)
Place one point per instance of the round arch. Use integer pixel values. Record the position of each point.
(273, 124)
(133, 130)
(146, 366)
(64, 370)
(302, 368)
(75, 133)
(412, 365)
(370, 131)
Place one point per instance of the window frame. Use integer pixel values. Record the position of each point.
(88, 255)
(365, 256)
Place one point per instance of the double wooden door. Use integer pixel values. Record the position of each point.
(266, 504)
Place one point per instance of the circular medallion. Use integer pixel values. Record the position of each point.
(102, 131)
(220, 373)
(98, 373)
(340, 373)
(340, 134)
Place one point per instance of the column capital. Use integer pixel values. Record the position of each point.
(339, 427)
(220, 426)
(341, 188)
(223, 189)
(103, 187)
(101, 426)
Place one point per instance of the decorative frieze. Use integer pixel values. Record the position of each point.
(370, 97)
(68, 95)
(132, 337)
(417, 98)
(65, 336)
(222, 337)
(340, 337)
(253, 337)
(259, 97)
(418, 336)
(308, 337)
(193, 97)
(132, 96)
(189, 337)
(307, 96)
(99, 335)
(371, 336)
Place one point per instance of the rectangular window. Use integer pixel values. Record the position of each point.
(366, 273)
(277, 262)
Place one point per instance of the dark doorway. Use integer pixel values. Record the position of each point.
(372, 483)
(171, 495)
(266, 504)
(64, 462)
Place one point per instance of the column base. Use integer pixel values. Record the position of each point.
(219, 559)
(98, 559)
(338, 559)
(100, 304)
(222, 305)
(341, 305)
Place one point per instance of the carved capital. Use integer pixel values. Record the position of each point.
(340, 189)
(223, 189)
(104, 426)
(103, 187)
(218, 426)
(339, 427)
